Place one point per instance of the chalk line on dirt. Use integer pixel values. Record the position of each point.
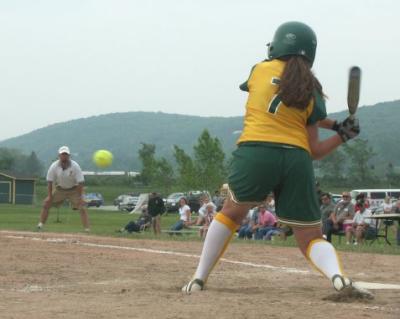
(23, 235)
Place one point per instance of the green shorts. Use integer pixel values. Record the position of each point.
(260, 168)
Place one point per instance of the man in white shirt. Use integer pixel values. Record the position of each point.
(64, 181)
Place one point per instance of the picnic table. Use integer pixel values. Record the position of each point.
(384, 217)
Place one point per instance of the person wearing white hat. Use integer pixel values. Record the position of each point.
(64, 181)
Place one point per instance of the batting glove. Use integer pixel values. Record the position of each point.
(335, 126)
(348, 129)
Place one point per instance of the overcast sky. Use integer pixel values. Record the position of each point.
(63, 60)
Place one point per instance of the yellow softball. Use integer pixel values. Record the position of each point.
(102, 158)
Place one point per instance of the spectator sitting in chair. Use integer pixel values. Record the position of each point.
(270, 203)
(327, 209)
(143, 222)
(361, 228)
(342, 217)
(217, 200)
(206, 205)
(208, 217)
(366, 202)
(266, 222)
(184, 216)
(245, 230)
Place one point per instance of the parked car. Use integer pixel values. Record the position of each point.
(172, 202)
(128, 203)
(121, 197)
(376, 197)
(93, 199)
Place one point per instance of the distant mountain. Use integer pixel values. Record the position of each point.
(122, 133)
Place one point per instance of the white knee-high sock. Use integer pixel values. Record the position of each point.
(218, 237)
(323, 256)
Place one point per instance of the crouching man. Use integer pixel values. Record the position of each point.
(64, 181)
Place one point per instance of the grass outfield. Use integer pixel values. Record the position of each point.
(105, 223)
(109, 192)
(65, 220)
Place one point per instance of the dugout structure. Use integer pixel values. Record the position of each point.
(16, 189)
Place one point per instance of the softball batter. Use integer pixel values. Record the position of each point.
(284, 109)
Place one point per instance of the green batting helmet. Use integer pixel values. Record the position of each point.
(293, 38)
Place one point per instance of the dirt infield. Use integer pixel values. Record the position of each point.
(44, 275)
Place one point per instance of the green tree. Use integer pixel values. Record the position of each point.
(7, 158)
(392, 178)
(149, 163)
(333, 165)
(186, 170)
(359, 154)
(33, 165)
(164, 175)
(155, 172)
(209, 162)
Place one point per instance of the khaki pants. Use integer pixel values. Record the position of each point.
(72, 194)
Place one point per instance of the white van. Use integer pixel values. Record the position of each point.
(376, 197)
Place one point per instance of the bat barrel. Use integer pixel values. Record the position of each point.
(353, 92)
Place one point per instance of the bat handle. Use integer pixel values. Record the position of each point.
(352, 117)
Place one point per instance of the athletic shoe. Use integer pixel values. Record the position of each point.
(339, 282)
(193, 286)
(348, 289)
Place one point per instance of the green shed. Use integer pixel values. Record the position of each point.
(16, 189)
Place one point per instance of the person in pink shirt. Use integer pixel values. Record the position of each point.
(266, 222)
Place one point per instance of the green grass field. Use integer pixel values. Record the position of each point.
(105, 223)
(109, 193)
(65, 220)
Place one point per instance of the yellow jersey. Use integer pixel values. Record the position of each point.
(267, 118)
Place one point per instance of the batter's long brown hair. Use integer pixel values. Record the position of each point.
(298, 83)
